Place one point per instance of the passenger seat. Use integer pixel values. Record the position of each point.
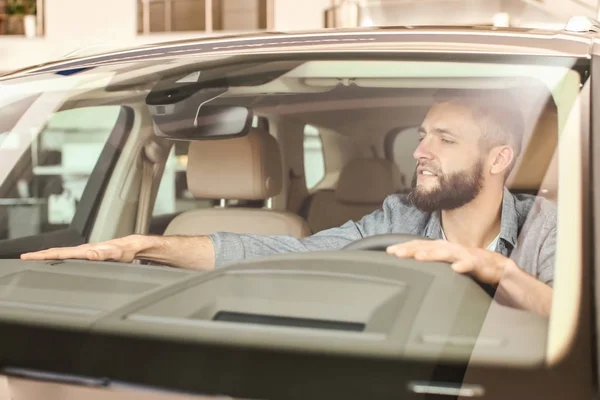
(244, 168)
(363, 185)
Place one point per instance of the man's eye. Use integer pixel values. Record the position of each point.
(447, 141)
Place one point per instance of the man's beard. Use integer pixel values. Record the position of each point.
(453, 190)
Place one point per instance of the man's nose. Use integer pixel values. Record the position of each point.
(423, 150)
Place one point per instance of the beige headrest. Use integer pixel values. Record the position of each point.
(367, 181)
(538, 151)
(244, 168)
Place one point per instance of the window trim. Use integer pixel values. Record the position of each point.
(591, 227)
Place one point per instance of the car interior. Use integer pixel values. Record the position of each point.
(359, 172)
(258, 183)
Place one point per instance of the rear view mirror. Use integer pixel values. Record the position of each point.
(191, 118)
(230, 121)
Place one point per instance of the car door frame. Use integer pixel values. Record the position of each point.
(81, 225)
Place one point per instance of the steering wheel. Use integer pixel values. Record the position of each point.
(382, 242)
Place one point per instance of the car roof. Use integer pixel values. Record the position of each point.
(434, 39)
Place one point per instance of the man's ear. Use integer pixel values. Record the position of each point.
(501, 158)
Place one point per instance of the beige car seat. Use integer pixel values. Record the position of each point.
(363, 185)
(244, 168)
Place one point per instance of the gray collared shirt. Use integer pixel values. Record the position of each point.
(527, 233)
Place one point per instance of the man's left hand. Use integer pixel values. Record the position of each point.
(487, 266)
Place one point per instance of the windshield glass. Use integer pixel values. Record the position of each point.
(283, 162)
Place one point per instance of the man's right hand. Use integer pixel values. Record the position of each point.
(193, 252)
(123, 249)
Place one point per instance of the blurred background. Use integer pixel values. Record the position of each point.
(37, 31)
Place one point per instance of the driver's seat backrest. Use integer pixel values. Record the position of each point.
(363, 185)
(244, 168)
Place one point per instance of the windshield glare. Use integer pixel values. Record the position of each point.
(336, 140)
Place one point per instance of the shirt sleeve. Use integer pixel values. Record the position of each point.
(546, 258)
(232, 247)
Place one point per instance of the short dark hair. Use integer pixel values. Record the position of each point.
(496, 113)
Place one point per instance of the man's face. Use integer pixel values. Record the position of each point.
(450, 162)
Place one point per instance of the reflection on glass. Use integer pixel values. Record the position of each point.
(354, 155)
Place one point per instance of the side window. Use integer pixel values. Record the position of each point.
(404, 144)
(314, 161)
(173, 196)
(44, 187)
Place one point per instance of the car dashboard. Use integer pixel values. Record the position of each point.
(353, 303)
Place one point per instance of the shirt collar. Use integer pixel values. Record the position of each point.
(509, 224)
(433, 230)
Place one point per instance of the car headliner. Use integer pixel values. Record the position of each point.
(480, 40)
